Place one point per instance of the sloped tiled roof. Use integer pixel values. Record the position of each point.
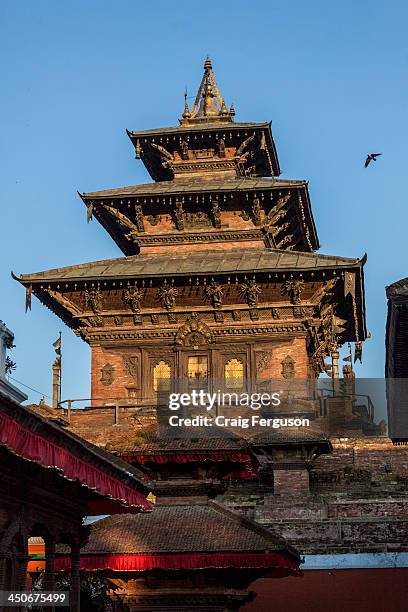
(201, 127)
(290, 435)
(193, 185)
(180, 529)
(200, 262)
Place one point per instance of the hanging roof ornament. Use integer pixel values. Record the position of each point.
(209, 104)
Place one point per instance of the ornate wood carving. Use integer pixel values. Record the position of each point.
(167, 295)
(131, 363)
(197, 219)
(214, 293)
(262, 360)
(139, 217)
(250, 291)
(240, 151)
(194, 332)
(153, 219)
(184, 149)
(166, 158)
(133, 298)
(293, 288)
(93, 300)
(179, 215)
(126, 223)
(256, 211)
(216, 213)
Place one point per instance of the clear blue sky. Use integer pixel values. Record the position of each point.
(332, 77)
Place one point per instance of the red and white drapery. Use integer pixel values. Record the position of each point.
(31, 446)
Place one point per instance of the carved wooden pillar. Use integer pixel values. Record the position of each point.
(74, 591)
(49, 574)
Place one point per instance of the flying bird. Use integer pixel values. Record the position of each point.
(371, 157)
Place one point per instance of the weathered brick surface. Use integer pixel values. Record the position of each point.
(345, 535)
(291, 481)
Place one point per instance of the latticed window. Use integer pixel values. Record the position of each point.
(161, 376)
(234, 374)
(197, 370)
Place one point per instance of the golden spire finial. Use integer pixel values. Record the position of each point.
(212, 104)
(207, 63)
(186, 114)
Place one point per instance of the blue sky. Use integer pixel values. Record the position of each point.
(332, 77)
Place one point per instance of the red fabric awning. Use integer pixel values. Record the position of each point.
(185, 457)
(33, 447)
(280, 563)
(246, 472)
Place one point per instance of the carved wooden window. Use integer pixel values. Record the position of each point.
(197, 370)
(234, 374)
(161, 376)
(288, 367)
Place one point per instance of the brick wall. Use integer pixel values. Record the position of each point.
(291, 481)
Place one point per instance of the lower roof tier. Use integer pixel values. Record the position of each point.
(186, 530)
(225, 294)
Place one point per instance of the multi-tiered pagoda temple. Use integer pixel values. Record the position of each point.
(220, 277)
(221, 284)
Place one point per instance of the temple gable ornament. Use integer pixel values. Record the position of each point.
(194, 332)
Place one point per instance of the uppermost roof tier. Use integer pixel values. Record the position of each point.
(208, 141)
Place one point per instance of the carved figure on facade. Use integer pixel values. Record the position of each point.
(293, 288)
(167, 295)
(93, 300)
(179, 215)
(139, 217)
(256, 211)
(221, 147)
(216, 212)
(184, 149)
(250, 291)
(133, 298)
(214, 293)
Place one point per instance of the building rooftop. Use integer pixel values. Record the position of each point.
(194, 263)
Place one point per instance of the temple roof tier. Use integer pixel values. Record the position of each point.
(314, 295)
(196, 264)
(188, 529)
(207, 140)
(275, 213)
(247, 148)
